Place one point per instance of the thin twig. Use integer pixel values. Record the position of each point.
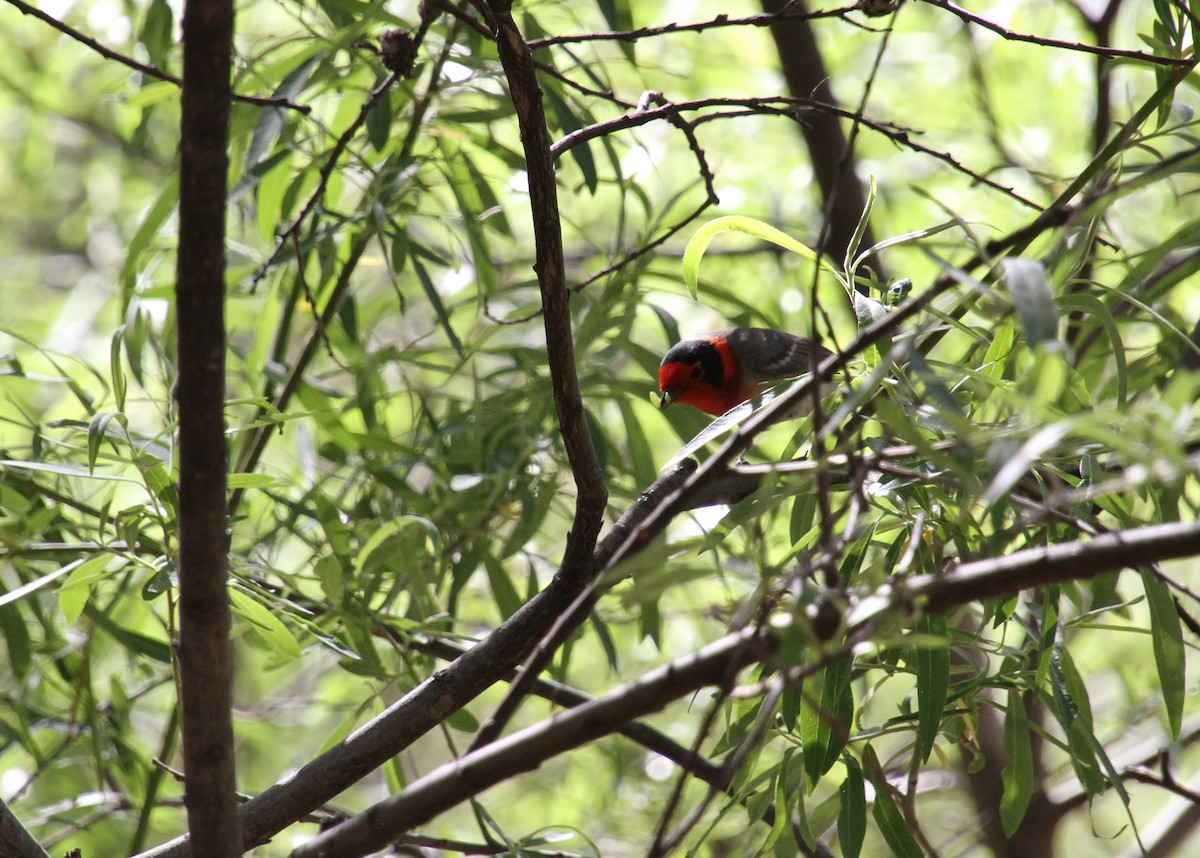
(149, 71)
(1045, 41)
(325, 175)
(698, 27)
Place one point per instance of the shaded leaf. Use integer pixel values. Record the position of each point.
(1169, 655)
(1018, 773)
(933, 679)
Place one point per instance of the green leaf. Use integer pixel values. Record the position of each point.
(604, 635)
(864, 222)
(156, 217)
(136, 642)
(268, 626)
(933, 680)
(97, 432)
(492, 212)
(826, 714)
(1034, 299)
(740, 223)
(116, 370)
(272, 119)
(536, 501)
(888, 817)
(619, 18)
(999, 350)
(16, 638)
(852, 821)
(581, 154)
(1169, 655)
(471, 206)
(252, 481)
(77, 589)
(904, 238)
(1017, 776)
(435, 300)
(158, 35)
(1071, 706)
(508, 602)
(337, 531)
(379, 122)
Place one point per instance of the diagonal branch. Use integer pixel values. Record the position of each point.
(1045, 41)
(16, 840)
(526, 749)
(149, 71)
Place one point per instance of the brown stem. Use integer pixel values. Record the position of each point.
(807, 78)
(205, 655)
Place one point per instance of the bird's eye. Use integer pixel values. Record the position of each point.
(698, 371)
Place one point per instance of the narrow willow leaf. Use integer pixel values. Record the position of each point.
(887, 816)
(77, 589)
(1017, 776)
(535, 506)
(1074, 714)
(826, 713)
(136, 642)
(1169, 654)
(116, 369)
(1034, 299)
(852, 821)
(739, 223)
(268, 626)
(933, 680)
(618, 17)
(379, 122)
(582, 153)
(18, 645)
(97, 432)
(904, 238)
(156, 217)
(503, 590)
(435, 301)
(999, 350)
(864, 221)
(604, 635)
(272, 119)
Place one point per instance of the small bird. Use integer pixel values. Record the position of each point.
(723, 369)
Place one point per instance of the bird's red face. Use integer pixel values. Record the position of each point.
(702, 373)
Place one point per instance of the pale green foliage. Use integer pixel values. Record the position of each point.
(414, 483)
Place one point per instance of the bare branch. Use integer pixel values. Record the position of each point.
(527, 749)
(700, 26)
(1036, 567)
(591, 492)
(149, 71)
(16, 841)
(1044, 41)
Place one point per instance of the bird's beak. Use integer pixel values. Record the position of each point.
(666, 398)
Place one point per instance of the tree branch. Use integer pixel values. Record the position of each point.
(149, 71)
(1037, 567)
(527, 749)
(1044, 41)
(770, 19)
(15, 840)
(205, 654)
